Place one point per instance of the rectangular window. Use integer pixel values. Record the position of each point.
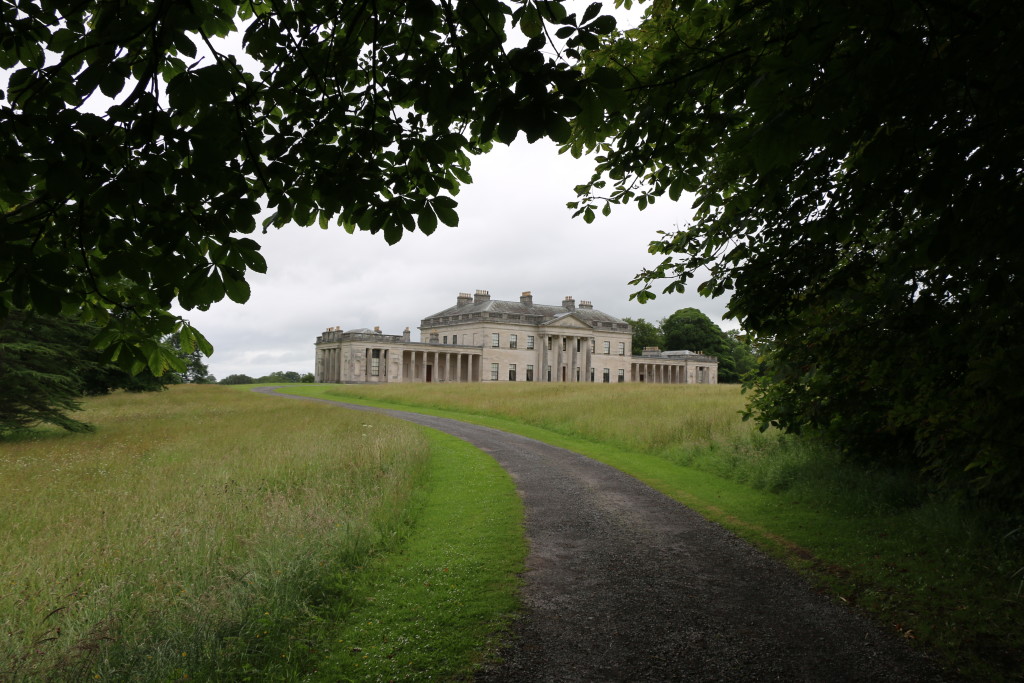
(375, 363)
(529, 373)
(446, 339)
(549, 373)
(549, 343)
(593, 345)
(579, 344)
(622, 348)
(511, 372)
(607, 376)
(455, 339)
(494, 371)
(607, 347)
(565, 340)
(529, 341)
(495, 341)
(578, 374)
(513, 341)
(592, 374)
(622, 375)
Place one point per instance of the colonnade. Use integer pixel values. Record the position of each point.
(440, 366)
(328, 365)
(665, 373)
(384, 363)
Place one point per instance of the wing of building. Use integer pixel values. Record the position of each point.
(481, 339)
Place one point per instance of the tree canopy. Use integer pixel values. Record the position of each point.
(47, 364)
(857, 172)
(691, 330)
(140, 143)
(645, 334)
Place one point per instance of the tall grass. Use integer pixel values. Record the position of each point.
(189, 531)
(696, 426)
(645, 417)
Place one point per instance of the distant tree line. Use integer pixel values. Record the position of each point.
(289, 376)
(47, 363)
(689, 329)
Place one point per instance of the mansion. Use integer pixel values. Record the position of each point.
(480, 339)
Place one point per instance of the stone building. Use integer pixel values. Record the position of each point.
(480, 339)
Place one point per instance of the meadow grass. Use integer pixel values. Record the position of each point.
(939, 573)
(207, 533)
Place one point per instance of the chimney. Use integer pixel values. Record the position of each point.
(526, 298)
(586, 304)
(406, 335)
(481, 295)
(569, 302)
(463, 300)
(376, 329)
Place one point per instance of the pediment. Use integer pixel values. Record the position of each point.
(568, 321)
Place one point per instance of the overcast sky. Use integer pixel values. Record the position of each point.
(515, 234)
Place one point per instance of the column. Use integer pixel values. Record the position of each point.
(587, 360)
(573, 358)
(543, 358)
(559, 356)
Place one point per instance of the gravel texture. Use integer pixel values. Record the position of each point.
(623, 583)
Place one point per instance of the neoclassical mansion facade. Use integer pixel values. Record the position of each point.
(480, 339)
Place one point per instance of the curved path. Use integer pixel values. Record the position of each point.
(626, 584)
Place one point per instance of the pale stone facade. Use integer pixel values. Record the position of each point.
(485, 340)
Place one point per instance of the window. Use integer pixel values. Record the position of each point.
(622, 348)
(579, 344)
(622, 375)
(495, 341)
(529, 373)
(455, 339)
(607, 347)
(591, 374)
(511, 372)
(446, 339)
(606, 376)
(549, 343)
(513, 341)
(529, 341)
(564, 342)
(593, 345)
(494, 371)
(577, 374)
(549, 373)
(375, 363)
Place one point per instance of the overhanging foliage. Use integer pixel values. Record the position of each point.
(138, 146)
(857, 169)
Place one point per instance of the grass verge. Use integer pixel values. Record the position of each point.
(433, 609)
(938, 574)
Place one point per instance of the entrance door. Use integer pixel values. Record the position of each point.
(430, 373)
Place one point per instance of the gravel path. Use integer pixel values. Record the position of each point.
(623, 583)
